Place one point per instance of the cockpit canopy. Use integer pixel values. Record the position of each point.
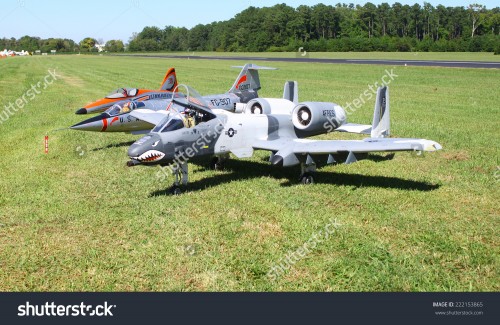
(124, 107)
(170, 124)
(123, 93)
(187, 109)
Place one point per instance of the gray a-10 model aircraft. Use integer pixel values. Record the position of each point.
(280, 129)
(118, 118)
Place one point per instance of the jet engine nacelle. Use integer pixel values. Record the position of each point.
(314, 118)
(267, 106)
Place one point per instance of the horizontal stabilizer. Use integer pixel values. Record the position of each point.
(251, 66)
(355, 128)
(381, 124)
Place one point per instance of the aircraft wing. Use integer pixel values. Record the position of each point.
(150, 116)
(305, 146)
(297, 147)
(273, 145)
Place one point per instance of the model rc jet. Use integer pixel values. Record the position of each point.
(118, 117)
(194, 129)
(121, 94)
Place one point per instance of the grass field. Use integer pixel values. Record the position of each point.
(78, 219)
(441, 56)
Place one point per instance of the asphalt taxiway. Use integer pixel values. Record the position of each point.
(300, 59)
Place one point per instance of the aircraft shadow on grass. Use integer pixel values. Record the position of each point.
(243, 169)
(115, 145)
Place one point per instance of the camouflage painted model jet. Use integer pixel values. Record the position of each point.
(120, 94)
(118, 117)
(281, 129)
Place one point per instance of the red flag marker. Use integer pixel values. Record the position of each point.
(46, 144)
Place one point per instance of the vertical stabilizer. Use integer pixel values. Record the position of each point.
(381, 126)
(248, 79)
(291, 91)
(170, 80)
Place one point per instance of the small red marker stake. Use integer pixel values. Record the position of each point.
(46, 144)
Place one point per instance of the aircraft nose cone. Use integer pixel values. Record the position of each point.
(142, 145)
(134, 150)
(96, 123)
(81, 111)
(147, 150)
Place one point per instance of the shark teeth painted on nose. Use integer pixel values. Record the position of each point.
(150, 156)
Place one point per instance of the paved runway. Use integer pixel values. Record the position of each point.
(420, 63)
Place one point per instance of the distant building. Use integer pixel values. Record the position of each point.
(100, 47)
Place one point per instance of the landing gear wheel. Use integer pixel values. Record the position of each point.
(307, 178)
(175, 190)
(216, 164)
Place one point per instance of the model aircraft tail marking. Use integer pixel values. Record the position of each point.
(248, 79)
(170, 80)
(381, 116)
(242, 80)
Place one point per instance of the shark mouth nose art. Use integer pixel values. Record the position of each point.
(150, 156)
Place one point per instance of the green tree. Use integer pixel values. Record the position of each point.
(475, 16)
(87, 44)
(343, 27)
(28, 43)
(114, 46)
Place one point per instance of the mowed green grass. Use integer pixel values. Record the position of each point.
(71, 222)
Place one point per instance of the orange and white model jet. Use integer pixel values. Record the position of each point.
(120, 94)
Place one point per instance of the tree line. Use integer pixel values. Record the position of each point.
(343, 27)
(32, 44)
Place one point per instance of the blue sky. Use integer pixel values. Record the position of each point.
(119, 19)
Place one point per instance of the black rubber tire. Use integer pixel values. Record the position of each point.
(175, 190)
(215, 164)
(307, 179)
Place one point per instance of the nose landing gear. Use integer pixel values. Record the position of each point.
(181, 175)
